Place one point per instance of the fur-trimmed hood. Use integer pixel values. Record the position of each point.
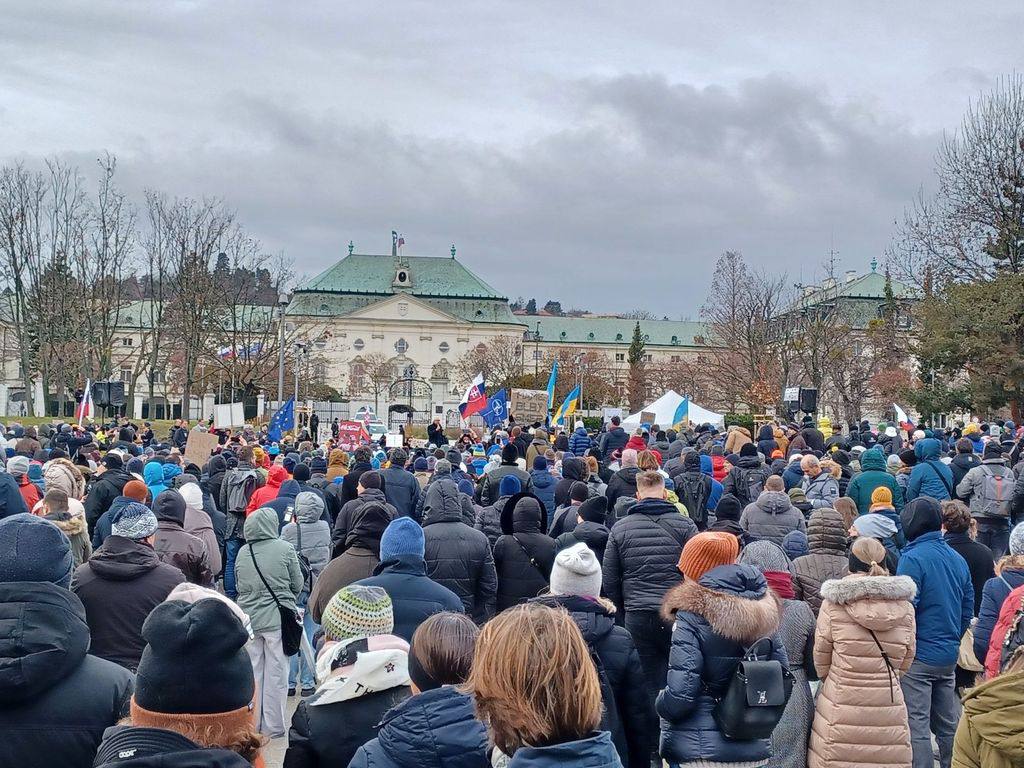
(877, 603)
(733, 599)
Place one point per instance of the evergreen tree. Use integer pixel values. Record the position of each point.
(637, 380)
(531, 307)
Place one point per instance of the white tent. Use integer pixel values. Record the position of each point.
(664, 410)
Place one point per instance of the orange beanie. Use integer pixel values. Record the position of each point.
(706, 551)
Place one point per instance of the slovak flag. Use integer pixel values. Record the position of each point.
(475, 399)
(85, 407)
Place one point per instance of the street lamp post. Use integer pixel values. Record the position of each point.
(282, 302)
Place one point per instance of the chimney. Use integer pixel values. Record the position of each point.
(851, 275)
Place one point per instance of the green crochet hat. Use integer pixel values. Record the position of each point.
(357, 611)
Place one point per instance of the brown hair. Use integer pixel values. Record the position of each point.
(592, 466)
(443, 646)
(774, 483)
(533, 679)
(956, 517)
(246, 454)
(648, 481)
(1009, 561)
(56, 500)
(870, 552)
(233, 731)
(646, 461)
(847, 507)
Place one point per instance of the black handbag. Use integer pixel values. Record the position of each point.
(291, 624)
(756, 697)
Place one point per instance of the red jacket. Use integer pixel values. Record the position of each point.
(29, 491)
(719, 468)
(995, 644)
(636, 443)
(268, 492)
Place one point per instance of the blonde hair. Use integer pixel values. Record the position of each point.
(847, 507)
(649, 481)
(871, 552)
(646, 461)
(533, 680)
(1009, 561)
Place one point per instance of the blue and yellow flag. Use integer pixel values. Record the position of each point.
(551, 385)
(682, 413)
(568, 407)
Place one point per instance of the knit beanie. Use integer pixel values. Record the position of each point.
(748, 449)
(509, 486)
(134, 521)
(113, 460)
(993, 450)
(729, 508)
(443, 467)
(403, 536)
(576, 572)
(881, 497)
(509, 454)
(691, 461)
(795, 544)
(1017, 539)
(893, 461)
(466, 487)
(17, 466)
(34, 549)
(420, 465)
(908, 458)
(594, 510)
(195, 660)
(797, 495)
(301, 474)
(578, 491)
(358, 611)
(707, 550)
(765, 555)
(540, 463)
(135, 490)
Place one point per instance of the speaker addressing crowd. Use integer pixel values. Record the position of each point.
(789, 595)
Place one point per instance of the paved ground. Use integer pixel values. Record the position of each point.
(273, 753)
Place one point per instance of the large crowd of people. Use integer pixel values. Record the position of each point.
(533, 596)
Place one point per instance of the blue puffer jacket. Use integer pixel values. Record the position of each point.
(792, 476)
(544, 489)
(594, 752)
(580, 442)
(993, 595)
(434, 729)
(717, 489)
(926, 479)
(716, 620)
(153, 475)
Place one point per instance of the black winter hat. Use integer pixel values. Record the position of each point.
(113, 461)
(748, 449)
(920, 516)
(578, 491)
(729, 508)
(594, 510)
(691, 461)
(301, 474)
(908, 457)
(509, 454)
(993, 450)
(195, 660)
(169, 505)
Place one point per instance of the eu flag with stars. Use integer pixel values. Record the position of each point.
(282, 421)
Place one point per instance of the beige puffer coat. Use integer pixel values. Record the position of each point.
(737, 437)
(860, 718)
(61, 474)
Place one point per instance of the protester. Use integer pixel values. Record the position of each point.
(523, 554)
(402, 573)
(826, 557)
(819, 486)
(772, 515)
(930, 477)
(958, 533)
(56, 700)
(121, 583)
(369, 493)
(337, 464)
(179, 717)
(487, 491)
(864, 642)
(400, 487)
(269, 581)
(437, 725)
(107, 487)
(176, 547)
(872, 476)
(989, 734)
(745, 481)
(536, 688)
(544, 487)
(458, 556)
(1009, 575)
(590, 528)
(988, 488)
(640, 567)
(198, 523)
(944, 606)
(238, 488)
(727, 519)
(623, 482)
(56, 507)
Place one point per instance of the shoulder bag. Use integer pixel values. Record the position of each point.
(291, 624)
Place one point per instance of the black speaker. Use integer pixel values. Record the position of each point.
(808, 400)
(101, 394)
(116, 389)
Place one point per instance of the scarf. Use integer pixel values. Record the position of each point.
(781, 582)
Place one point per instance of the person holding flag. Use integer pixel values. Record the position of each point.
(283, 420)
(475, 399)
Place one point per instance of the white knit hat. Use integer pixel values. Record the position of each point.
(576, 572)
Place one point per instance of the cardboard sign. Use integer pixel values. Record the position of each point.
(417, 442)
(647, 418)
(529, 405)
(608, 413)
(199, 447)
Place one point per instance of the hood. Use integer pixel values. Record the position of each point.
(707, 466)
(574, 468)
(927, 449)
(192, 494)
(766, 433)
(920, 516)
(45, 639)
(995, 711)
(289, 488)
(595, 618)
(126, 746)
(628, 474)
(383, 665)
(749, 462)
(170, 471)
(652, 507)
(542, 478)
(262, 524)
(153, 473)
(217, 465)
(872, 460)
(276, 475)
(966, 460)
(72, 525)
(434, 729)
(773, 502)
(741, 430)
(523, 513)
(734, 599)
(121, 559)
(875, 602)
(442, 503)
(825, 532)
(65, 476)
(597, 751)
(308, 507)
(338, 458)
(875, 525)
(368, 527)
(580, 430)
(169, 506)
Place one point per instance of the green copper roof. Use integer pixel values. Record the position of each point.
(867, 286)
(430, 275)
(611, 330)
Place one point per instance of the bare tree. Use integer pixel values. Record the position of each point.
(499, 359)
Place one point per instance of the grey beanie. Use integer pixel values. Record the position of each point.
(134, 521)
(443, 467)
(1017, 539)
(576, 572)
(18, 465)
(765, 555)
(34, 549)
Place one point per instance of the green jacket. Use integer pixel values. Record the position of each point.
(991, 730)
(873, 475)
(279, 565)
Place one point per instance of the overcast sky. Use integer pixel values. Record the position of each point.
(601, 153)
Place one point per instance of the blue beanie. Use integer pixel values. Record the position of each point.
(403, 536)
(34, 549)
(466, 486)
(509, 486)
(420, 465)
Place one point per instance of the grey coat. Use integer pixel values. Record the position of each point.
(771, 517)
(316, 533)
(277, 562)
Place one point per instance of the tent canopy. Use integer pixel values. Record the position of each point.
(664, 410)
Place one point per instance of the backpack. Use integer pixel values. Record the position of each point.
(749, 484)
(240, 485)
(995, 491)
(694, 493)
(756, 697)
(1014, 639)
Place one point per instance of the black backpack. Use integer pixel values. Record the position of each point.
(694, 492)
(756, 697)
(749, 483)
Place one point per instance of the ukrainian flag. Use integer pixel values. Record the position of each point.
(568, 407)
(551, 385)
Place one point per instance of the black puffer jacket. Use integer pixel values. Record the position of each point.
(488, 520)
(622, 483)
(642, 554)
(716, 619)
(629, 716)
(55, 700)
(826, 556)
(434, 729)
(458, 556)
(102, 493)
(523, 554)
(128, 746)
